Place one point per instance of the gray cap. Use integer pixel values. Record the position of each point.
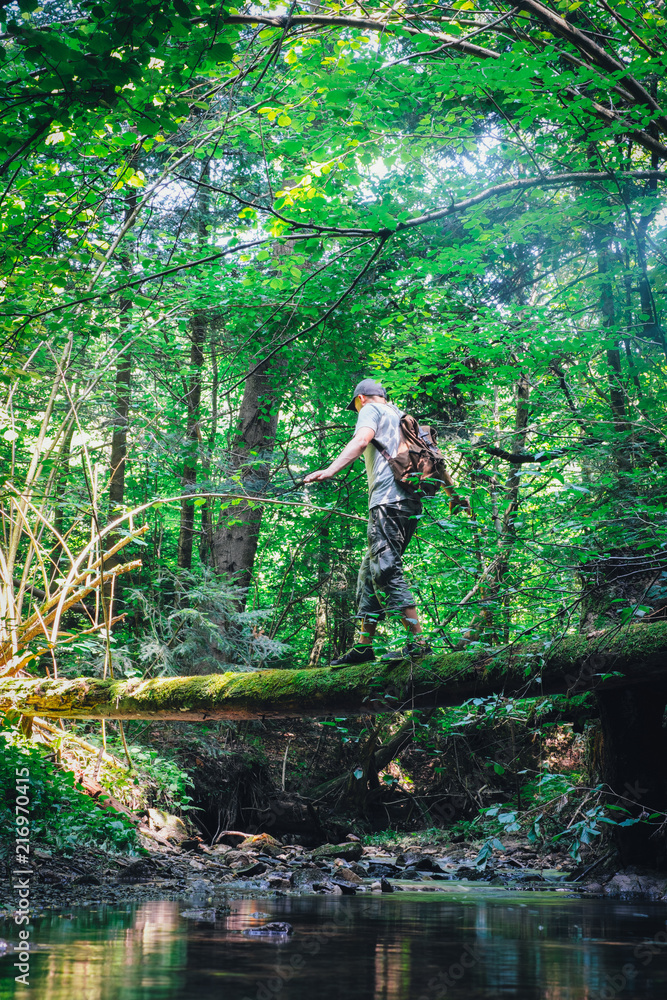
(367, 387)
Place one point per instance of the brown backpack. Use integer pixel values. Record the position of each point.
(419, 465)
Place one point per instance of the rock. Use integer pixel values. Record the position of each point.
(208, 916)
(342, 874)
(381, 868)
(87, 880)
(349, 852)
(138, 871)
(330, 888)
(277, 882)
(260, 840)
(421, 862)
(347, 888)
(303, 877)
(222, 849)
(386, 886)
(257, 869)
(352, 837)
(199, 887)
(268, 850)
(594, 888)
(277, 928)
(238, 858)
(629, 885)
(376, 887)
(471, 874)
(169, 826)
(190, 844)
(411, 874)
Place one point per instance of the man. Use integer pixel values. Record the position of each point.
(393, 518)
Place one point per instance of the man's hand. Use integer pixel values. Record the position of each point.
(349, 454)
(319, 476)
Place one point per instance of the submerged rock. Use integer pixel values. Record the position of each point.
(209, 915)
(277, 928)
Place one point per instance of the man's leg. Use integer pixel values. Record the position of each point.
(367, 629)
(410, 621)
(396, 526)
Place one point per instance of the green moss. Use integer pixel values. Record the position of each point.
(573, 663)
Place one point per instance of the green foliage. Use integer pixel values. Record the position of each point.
(564, 811)
(190, 195)
(58, 814)
(155, 779)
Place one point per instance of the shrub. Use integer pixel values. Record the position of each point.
(59, 813)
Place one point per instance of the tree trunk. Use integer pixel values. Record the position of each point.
(193, 392)
(121, 405)
(121, 412)
(193, 400)
(617, 395)
(111, 593)
(614, 661)
(206, 537)
(634, 765)
(512, 491)
(234, 540)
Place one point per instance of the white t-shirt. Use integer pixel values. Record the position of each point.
(384, 419)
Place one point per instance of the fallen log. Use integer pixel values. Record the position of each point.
(610, 660)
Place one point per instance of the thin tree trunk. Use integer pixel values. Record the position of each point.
(193, 394)
(111, 592)
(121, 413)
(512, 490)
(324, 570)
(235, 538)
(614, 371)
(122, 396)
(59, 507)
(206, 537)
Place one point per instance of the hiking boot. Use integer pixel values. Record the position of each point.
(362, 653)
(413, 650)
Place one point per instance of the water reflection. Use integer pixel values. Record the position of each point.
(398, 947)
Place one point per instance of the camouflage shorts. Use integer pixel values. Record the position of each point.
(390, 528)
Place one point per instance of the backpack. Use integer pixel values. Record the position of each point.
(419, 465)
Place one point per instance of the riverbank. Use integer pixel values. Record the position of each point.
(260, 866)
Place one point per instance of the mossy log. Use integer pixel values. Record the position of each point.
(613, 659)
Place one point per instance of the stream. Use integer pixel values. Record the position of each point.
(462, 942)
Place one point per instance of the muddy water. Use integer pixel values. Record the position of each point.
(461, 944)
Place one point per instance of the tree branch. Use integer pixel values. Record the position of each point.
(582, 41)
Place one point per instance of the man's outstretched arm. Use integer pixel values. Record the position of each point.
(349, 454)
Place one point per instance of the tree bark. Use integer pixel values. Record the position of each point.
(192, 433)
(613, 661)
(198, 328)
(121, 412)
(234, 540)
(617, 395)
(122, 398)
(634, 766)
